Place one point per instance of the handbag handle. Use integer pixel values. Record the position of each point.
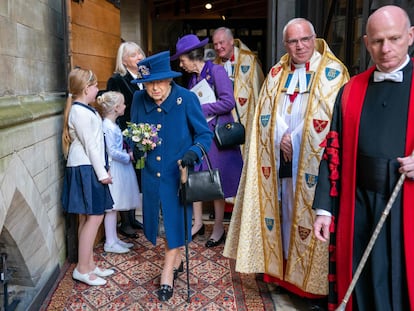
(205, 155)
(237, 113)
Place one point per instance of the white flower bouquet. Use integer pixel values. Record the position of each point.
(145, 138)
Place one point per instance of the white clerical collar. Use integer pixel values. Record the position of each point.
(298, 78)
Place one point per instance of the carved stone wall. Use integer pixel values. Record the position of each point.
(32, 53)
(32, 82)
(32, 229)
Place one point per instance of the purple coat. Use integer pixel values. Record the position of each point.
(229, 161)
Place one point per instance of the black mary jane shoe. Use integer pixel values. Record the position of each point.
(199, 232)
(213, 243)
(179, 269)
(165, 292)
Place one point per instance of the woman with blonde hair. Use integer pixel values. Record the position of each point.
(85, 184)
(126, 70)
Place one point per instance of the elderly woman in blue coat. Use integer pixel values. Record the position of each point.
(177, 113)
(190, 52)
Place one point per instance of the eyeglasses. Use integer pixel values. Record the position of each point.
(304, 40)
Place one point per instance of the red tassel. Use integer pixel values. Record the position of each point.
(334, 191)
(334, 175)
(335, 158)
(335, 143)
(332, 226)
(332, 134)
(330, 150)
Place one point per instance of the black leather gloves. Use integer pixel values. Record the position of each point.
(189, 158)
(138, 154)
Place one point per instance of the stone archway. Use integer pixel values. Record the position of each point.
(22, 240)
(30, 225)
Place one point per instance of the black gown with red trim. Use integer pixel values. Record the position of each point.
(356, 178)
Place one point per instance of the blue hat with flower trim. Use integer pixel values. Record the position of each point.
(154, 68)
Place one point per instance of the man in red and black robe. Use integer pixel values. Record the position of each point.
(369, 145)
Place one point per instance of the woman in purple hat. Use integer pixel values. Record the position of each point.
(190, 52)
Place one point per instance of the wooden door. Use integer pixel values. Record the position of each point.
(94, 32)
(94, 35)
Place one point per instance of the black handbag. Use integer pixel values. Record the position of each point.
(230, 134)
(201, 185)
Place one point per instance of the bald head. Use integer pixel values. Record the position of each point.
(388, 37)
(391, 13)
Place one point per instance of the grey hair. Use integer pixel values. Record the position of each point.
(297, 21)
(124, 49)
(227, 31)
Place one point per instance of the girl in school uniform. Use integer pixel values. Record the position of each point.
(85, 184)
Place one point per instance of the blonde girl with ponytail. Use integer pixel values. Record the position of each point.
(86, 178)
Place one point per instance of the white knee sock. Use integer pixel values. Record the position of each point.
(110, 227)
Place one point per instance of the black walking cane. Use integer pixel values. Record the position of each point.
(183, 180)
(371, 242)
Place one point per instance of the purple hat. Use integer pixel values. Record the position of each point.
(154, 68)
(187, 44)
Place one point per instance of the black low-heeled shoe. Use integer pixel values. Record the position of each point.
(179, 269)
(213, 243)
(165, 292)
(132, 235)
(136, 224)
(199, 232)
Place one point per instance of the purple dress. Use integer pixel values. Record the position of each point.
(229, 161)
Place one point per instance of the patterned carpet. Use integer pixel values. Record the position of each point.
(214, 285)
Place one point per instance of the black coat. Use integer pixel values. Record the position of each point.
(123, 85)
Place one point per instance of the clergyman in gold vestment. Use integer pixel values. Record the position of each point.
(244, 69)
(271, 227)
